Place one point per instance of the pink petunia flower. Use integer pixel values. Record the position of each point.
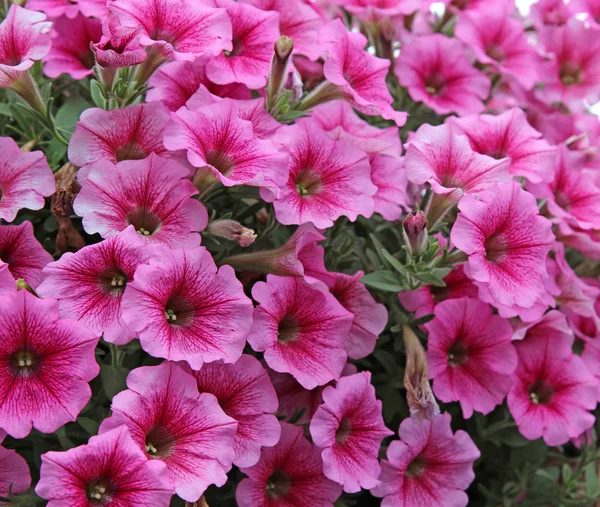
(90, 283)
(354, 74)
(300, 329)
(177, 29)
(175, 82)
(246, 394)
(131, 133)
(507, 242)
(299, 20)
(70, 52)
(499, 40)
(572, 195)
(349, 428)
(552, 389)
(7, 282)
(374, 11)
(437, 72)
(24, 40)
(248, 60)
(547, 15)
(54, 8)
(111, 468)
(470, 355)
(429, 465)
(46, 360)
(509, 135)
(25, 179)
(119, 45)
(25, 257)
(93, 8)
(153, 195)
(183, 309)
(424, 300)
(572, 76)
(218, 139)
(14, 473)
(170, 421)
(291, 473)
(445, 160)
(327, 179)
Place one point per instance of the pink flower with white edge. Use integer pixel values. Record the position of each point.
(429, 465)
(301, 330)
(184, 309)
(131, 133)
(119, 45)
(110, 468)
(24, 40)
(48, 363)
(499, 40)
(572, 195)
(253, 110)
(507, 242)
(170, 421)
(220, 141)
(424, 300)
(25, 257)
(299, 20)
(290, 473)
(327, 179)
(175, 82)
(14, 473)
(572, 76)
(349, 428)
(70, 52)
(54, 8)
(153, 195)
(470, 355)
(245, 393)
(509, 135)
(355, 75)
(177, 29)
(552, 389)
(445, 160)
(90, 283)
(248, 60)
(25, 179)
(437, 72)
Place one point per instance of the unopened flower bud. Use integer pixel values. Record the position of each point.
(284, 47)
(231, 230)
(421, 402)
(279, 69)
(23, 285)
(414, 230)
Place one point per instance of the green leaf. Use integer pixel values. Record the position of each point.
(591, 479)
(383, 280)
(423, 320)
(88, 425)
(97, 94)
(113, 379)
(395, 263)
(430, 279)
(68, 115)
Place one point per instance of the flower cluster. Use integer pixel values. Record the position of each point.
(278, 253)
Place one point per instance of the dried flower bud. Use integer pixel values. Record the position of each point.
(200, 503)
(231, 230)
(414, 230)
(284, 47)
(67, 189)
(421, 402)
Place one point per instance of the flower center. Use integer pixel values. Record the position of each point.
(130, 151)
(24, 362)
(495, 248)
(344, 430)
(178, 312)
(417, 467)
(308, 182)
(541, 392)
(220, 161)
(145, 221)
(563, 200)
(458, 354)
(288, 330)
(100, 492)
(278, 484)
(160, 442)
(114, 281)
(435, 84)
(570, 73)
(236, 48)
(495, 52)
